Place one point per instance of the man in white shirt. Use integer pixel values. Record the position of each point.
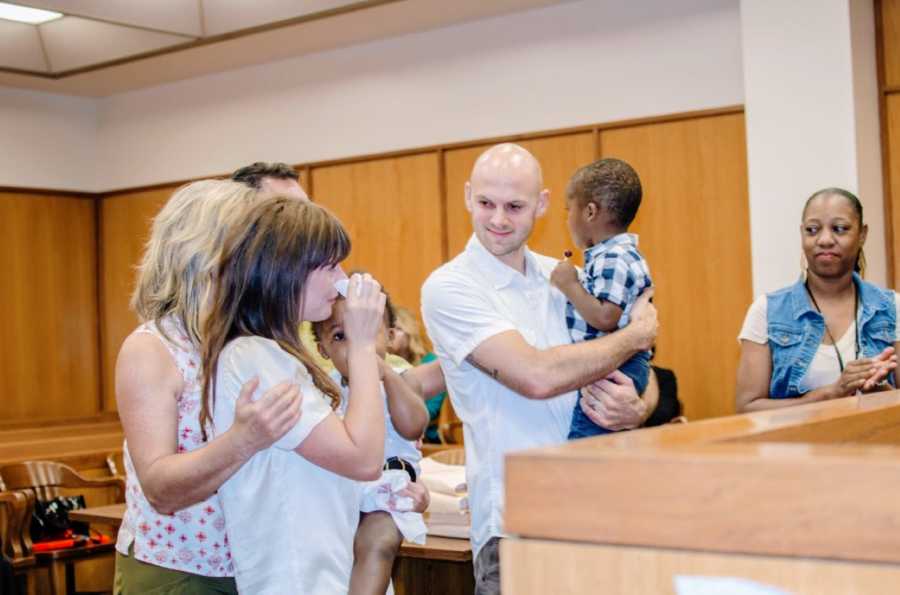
(499, 331)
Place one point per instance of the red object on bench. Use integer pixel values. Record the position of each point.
(70, 542)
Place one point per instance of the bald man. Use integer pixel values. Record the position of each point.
(499, 331)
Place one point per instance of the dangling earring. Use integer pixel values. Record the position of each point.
(861, 262)
(803, 267)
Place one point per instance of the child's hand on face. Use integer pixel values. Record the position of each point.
(565, 275)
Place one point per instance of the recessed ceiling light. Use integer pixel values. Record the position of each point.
(26, 14)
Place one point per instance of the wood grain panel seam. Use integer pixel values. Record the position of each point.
(100, 302)
(442, 193)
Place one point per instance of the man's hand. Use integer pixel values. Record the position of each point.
(613, 403)
(420, 496)
(644, 323)
(564, 276)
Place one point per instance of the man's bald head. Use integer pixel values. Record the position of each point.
(505, 196)
(511, 162)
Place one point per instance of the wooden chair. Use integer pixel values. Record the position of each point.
(449, 426)
(15, 537)
(451, 456)
(115, 462)
(47, 480)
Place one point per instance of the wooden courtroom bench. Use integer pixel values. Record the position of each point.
(82, 444)
(802, 499)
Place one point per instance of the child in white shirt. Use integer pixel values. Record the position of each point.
(378, 538)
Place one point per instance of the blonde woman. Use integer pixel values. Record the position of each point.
(172, 538)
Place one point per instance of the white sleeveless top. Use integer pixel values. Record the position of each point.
(193, 539)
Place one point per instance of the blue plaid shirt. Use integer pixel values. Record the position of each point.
(614, 271)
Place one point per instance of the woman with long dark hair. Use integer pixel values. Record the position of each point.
(293, 508)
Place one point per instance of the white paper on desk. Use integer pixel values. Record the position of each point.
(454, 531)
(444, 504)
(443, 479)
(723, 585)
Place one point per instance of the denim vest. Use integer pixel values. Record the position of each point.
(796, 329)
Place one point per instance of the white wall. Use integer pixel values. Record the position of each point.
(47, 141)
(812, 122)
(565, 65)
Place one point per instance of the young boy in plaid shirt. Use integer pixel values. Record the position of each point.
(602, 200)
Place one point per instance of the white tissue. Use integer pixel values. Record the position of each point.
(342, 286)
(381, 494)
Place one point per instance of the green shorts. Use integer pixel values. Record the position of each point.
(134, 577)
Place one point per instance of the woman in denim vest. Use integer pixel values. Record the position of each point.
(828, 335)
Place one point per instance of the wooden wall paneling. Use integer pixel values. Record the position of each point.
(890, 35)
(125, 224)
(305, 180)
(891, 117)
(695, 232)
(391, 208)
(559, 156)
(49, 365)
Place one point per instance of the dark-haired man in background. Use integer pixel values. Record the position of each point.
(271, 178)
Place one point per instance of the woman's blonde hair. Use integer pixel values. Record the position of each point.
(406, 322)
(260, 285)
(184, 249)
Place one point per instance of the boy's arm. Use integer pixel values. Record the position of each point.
(426, 379)
(598, 313)
(405, 404)
(470, 329)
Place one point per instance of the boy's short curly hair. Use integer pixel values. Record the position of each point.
(612, 185)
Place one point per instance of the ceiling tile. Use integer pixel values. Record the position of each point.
(74, 42)
(20, 47)
(173, 16)
(223, 16)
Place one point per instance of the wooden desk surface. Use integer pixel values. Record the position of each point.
(111, 514)
(435, 548)
(439, 548)
(819, 481)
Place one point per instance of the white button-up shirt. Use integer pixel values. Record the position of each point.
(465, 302)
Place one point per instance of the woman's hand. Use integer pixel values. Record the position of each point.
(884, 363)
(613, 403)
(364, 314)
(420, 496)
(864, 373)
(259, 424)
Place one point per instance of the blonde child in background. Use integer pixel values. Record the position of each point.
(405, 340)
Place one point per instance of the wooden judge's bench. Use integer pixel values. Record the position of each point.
(804, 499)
